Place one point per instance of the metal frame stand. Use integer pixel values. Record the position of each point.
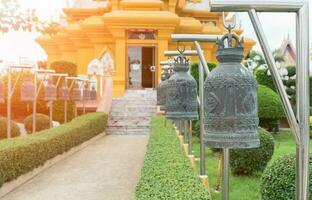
(11, 92)
(299, 122)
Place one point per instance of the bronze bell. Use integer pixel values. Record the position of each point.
(28, 89)
(86, 92)
(50, 91)
(230, 99)
(181, 97)
(93, 94)
(76, 94)
(163, 91)
(64, 92)
(159, 89)
(2, 91)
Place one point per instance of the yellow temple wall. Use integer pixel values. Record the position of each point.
(90, 32)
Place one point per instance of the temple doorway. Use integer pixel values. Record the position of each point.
(140, 63)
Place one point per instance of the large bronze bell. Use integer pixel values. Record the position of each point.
(28, 89)
(230, 99)
(76, 94)
(181, 100)
(50, 91)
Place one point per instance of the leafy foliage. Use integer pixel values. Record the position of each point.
(278, 179)
(270, 107)
(21, 155)
(195, 72)
(248, 161)
(166, 172)
(263, 78)
(42, 122)
(58, 106)
(15, 131)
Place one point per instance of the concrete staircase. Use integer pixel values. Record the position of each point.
(131, 114)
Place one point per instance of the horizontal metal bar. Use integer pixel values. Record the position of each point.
(59, 75)
(44, 70)
(176, 53)
(260, 6)
(72, 78)
(165, 63)
(21, 66)
(194, 37)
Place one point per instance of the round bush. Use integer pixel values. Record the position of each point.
(248, 161)
(270, 108)
(42, 123)
(278, 179)
(15, 131)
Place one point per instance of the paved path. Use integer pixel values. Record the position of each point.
(106, 170)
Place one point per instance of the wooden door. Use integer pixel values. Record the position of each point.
(147, 62)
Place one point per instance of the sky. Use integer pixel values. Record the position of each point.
(16, 46)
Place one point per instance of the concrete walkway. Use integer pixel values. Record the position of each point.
(106, 170)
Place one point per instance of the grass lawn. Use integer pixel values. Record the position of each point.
(244, 188)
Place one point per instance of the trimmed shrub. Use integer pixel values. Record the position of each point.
(21, 155)
(15, 131)
(42, 122)
(166, 172)
(263, 78)
(248, 161)
(278, 179)
(270, 108)
(58, 106)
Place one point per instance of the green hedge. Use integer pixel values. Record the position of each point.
(21, 155)
(278, 180)
(167, 173)
(58, 106)
(195, 72)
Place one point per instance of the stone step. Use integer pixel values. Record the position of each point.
(134, 101)
(125, 118)
(133, 115)
(129, 123)
(131, 109)
(127, 131)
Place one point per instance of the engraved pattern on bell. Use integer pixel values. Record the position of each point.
(64, 92)
(181, 101)
(86, 92)
(93, 94)
(230, 99)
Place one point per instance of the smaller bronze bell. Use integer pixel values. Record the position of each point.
(86, 92)
(64, 92)
(181, 97)
(28, 89)
(93, 94)
(76, 94)
(163, 91)
(50, 91)
(2, 90)
(159, 89)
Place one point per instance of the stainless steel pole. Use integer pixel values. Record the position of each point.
(51, 114)
(34, 105)
(302, 82)
(9, 102)
(225, 174)
(202, 128)
(202, 58)
(65, 103)
(190, 139)
(185, 132)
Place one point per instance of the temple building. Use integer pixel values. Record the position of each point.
(130, 36)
